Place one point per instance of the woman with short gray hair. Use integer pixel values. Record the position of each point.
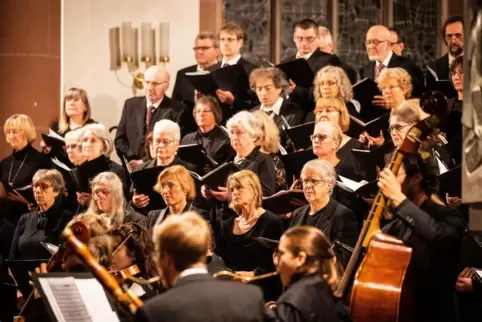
(166, 137)
(97, 142)
(45, 224)
(272, 88)
(245, 130)
(336, 221)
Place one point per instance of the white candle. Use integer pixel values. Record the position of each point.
(146, 39)
(164, 39)
(127, 40)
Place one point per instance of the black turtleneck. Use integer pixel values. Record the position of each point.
(20, 176)
(37, 226)
(216, 143)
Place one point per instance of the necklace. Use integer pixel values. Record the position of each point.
(10, 181)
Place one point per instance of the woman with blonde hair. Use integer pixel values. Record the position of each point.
(270, 144)
(395, 84)
(178, 190)
(307, 269)
(236, 245)
(108, 200)
(335, 111)
(18, 169)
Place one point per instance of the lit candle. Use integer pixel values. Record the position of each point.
(164, 40)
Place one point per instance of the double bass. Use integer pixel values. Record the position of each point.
(380, 289)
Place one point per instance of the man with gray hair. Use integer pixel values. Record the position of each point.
(381, 56)
(141, 113)
(326, 45)
(206, 52)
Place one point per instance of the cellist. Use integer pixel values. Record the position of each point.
(433, 230)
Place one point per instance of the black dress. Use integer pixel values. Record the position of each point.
(243, 253)
(19, 169)
(263, 166)
(435, 233)
(309, 299)
(216, 143)
(156, 217)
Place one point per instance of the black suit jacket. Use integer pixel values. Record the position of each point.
(244, 98)
(183, 90)
(441, 66)
(405, 63)
(304, 96)
(199, 297)
(435, 234)
(291, 112)
(337, 222)
(131, 131)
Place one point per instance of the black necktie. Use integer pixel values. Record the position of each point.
(149, 112)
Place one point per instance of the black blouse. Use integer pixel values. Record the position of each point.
(263, 166)
(154, 215)
(309, 299)
(37, 226)
(216, 143)
(19, 169)
(243, 253)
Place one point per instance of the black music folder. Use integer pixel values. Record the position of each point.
(195, 154)
(365, 90)
(295, 161)
(372, 127)
(374, 158)
(144, 181)
(433, 82)
(20, 269)
(361, 189)
(74, 297)
(284, 201)
(84, 173)
(231, 78)
(216, 178)
(451, 182)
(300, 135)
(299, 71)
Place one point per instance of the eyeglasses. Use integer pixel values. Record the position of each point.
(169, 185)
(153, 84)
(459, 72)
(389, 87)
(457, 36)
(202, 48)
(41, 185)
(101, 192)
(319, 137)
(327, 83)
(202, 111)
(73, 146)
(375, 42)
(311, 182)
(397, 127)
(308, 39)
(163, 142)
(228, 39)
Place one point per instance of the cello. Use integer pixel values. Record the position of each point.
(380, 291)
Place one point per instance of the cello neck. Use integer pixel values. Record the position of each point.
(371, 227)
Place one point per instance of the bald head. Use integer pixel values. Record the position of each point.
(377, 43)
(156, 83)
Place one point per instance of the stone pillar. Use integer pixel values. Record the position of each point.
(29, 62)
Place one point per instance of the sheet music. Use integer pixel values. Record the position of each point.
(353, 185)
(431, 71)
(55, 135)
(60, 164)
(441, 166)
(77, 300)
(50, 247)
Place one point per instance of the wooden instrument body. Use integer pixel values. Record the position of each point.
(379, 292)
